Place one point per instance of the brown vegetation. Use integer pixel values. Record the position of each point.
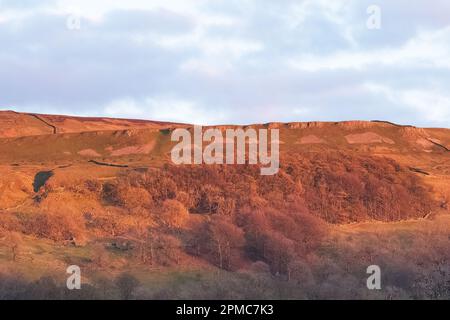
(281, 235)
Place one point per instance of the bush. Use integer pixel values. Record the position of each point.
(173, 214)
(57, 226)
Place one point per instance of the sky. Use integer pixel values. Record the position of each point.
(227, 61)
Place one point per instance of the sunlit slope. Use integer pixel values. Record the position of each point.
(15, 124)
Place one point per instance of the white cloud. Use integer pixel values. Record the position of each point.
(427, 49)
(432, 105)
(124, 107)
(208, 68)
(162, 108)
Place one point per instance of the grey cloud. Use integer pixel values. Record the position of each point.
(46, 67)
(48, 64)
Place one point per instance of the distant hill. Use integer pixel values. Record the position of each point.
(17, 124)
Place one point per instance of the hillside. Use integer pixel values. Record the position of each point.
(86, 143)
(94, 189)
(16, 124)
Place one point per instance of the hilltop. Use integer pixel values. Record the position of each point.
(19, 124)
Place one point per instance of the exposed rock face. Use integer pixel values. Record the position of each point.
(89, 153)
(311, 139)
(367, 137)
(144, 149)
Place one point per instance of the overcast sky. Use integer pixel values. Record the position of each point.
(211, 62)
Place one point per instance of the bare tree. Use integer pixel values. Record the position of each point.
(13, 240)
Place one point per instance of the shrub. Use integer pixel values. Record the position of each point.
(57, 226)
(173, 214)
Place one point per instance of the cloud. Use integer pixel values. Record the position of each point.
(161, 108)
(157, 21)
(228, 61)
(427, 49)
(430, 105)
